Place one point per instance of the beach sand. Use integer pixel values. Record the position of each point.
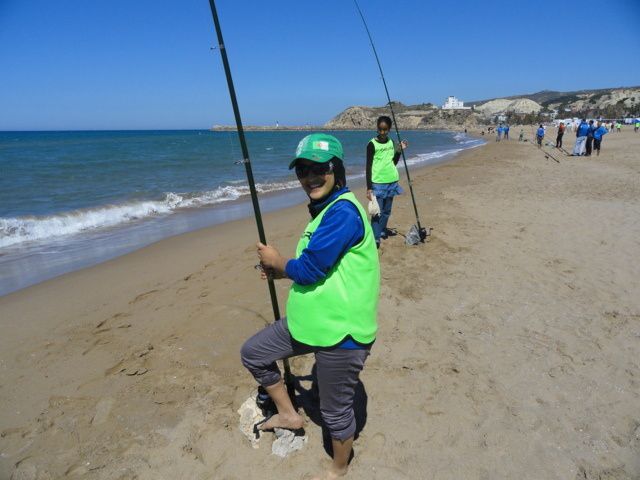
(509, 344)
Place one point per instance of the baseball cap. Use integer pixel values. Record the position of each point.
(319, 148)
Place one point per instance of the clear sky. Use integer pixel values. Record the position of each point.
(127, 64)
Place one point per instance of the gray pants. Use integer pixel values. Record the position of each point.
(337, 370)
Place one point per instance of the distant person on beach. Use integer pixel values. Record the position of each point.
(589, 142)
(618, 127)
(382, 176)
(506, 132)
(581, 138)
(636, 126)
(561, 129)
(597, 137)
(499, 133)
(521, 136)
(332, 304)
(540, 135)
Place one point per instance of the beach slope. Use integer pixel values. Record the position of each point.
(509, 345)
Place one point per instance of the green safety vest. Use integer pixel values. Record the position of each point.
(383, 169)
(345, 302)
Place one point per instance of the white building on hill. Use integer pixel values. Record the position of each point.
(453, 103)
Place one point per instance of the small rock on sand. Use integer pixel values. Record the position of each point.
(287, 442)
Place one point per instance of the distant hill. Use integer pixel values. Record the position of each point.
(409, 117)
(527, 108)
(598, 98)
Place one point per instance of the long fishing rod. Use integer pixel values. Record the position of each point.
(288, 378)
(546, 153)
(422, 231)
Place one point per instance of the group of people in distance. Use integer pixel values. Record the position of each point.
(502, 131)
(588, 136)
(332, 304)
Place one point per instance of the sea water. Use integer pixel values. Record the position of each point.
(73, 199)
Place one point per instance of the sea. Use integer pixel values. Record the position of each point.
(69, 200)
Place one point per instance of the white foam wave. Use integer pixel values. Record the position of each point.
(459, 136)
(426, 157)
(429, 157)
(17, 230)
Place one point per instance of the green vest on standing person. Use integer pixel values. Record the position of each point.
(383, 170)
(345, 302)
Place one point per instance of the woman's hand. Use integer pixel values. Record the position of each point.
(269, 273)
(369, 194)
(273, 264)
(403, 145)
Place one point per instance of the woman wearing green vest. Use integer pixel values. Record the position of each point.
(382, 175)
(332, 304)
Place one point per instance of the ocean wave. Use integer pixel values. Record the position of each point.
(426, 157)
(14, 231)
(430, 156)
(19, 230)
(460, 136)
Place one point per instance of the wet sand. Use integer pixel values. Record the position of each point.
(509, 344)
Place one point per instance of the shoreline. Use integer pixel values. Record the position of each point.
(508, 345)
(293, 128)
(22, 271)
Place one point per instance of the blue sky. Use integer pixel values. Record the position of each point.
(78, 64)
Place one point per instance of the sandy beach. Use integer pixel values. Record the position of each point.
(509, 344)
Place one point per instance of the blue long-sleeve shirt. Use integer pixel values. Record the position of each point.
(340, 229)
(600, 131)
(583, 130)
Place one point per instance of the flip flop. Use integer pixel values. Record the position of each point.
(298, 432)
(257, 431)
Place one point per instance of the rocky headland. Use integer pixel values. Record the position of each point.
(521, 109)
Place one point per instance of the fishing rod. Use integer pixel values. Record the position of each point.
(544, 152)
(288, 378)
(421, 231)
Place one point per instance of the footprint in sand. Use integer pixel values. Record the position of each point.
(97, 343)
(135, 365)
(103, 323)
(142, 296)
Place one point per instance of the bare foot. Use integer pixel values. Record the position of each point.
(290, 422)
(332, 474)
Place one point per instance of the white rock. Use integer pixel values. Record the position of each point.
(250, 414)
(287, 442)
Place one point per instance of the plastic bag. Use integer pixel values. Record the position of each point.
(413, 236)
(374, 208)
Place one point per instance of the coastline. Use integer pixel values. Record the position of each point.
(310, 128)
(40, 261)
(508, 344)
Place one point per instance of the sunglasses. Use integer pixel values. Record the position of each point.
(383, 129)
(317, 169)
